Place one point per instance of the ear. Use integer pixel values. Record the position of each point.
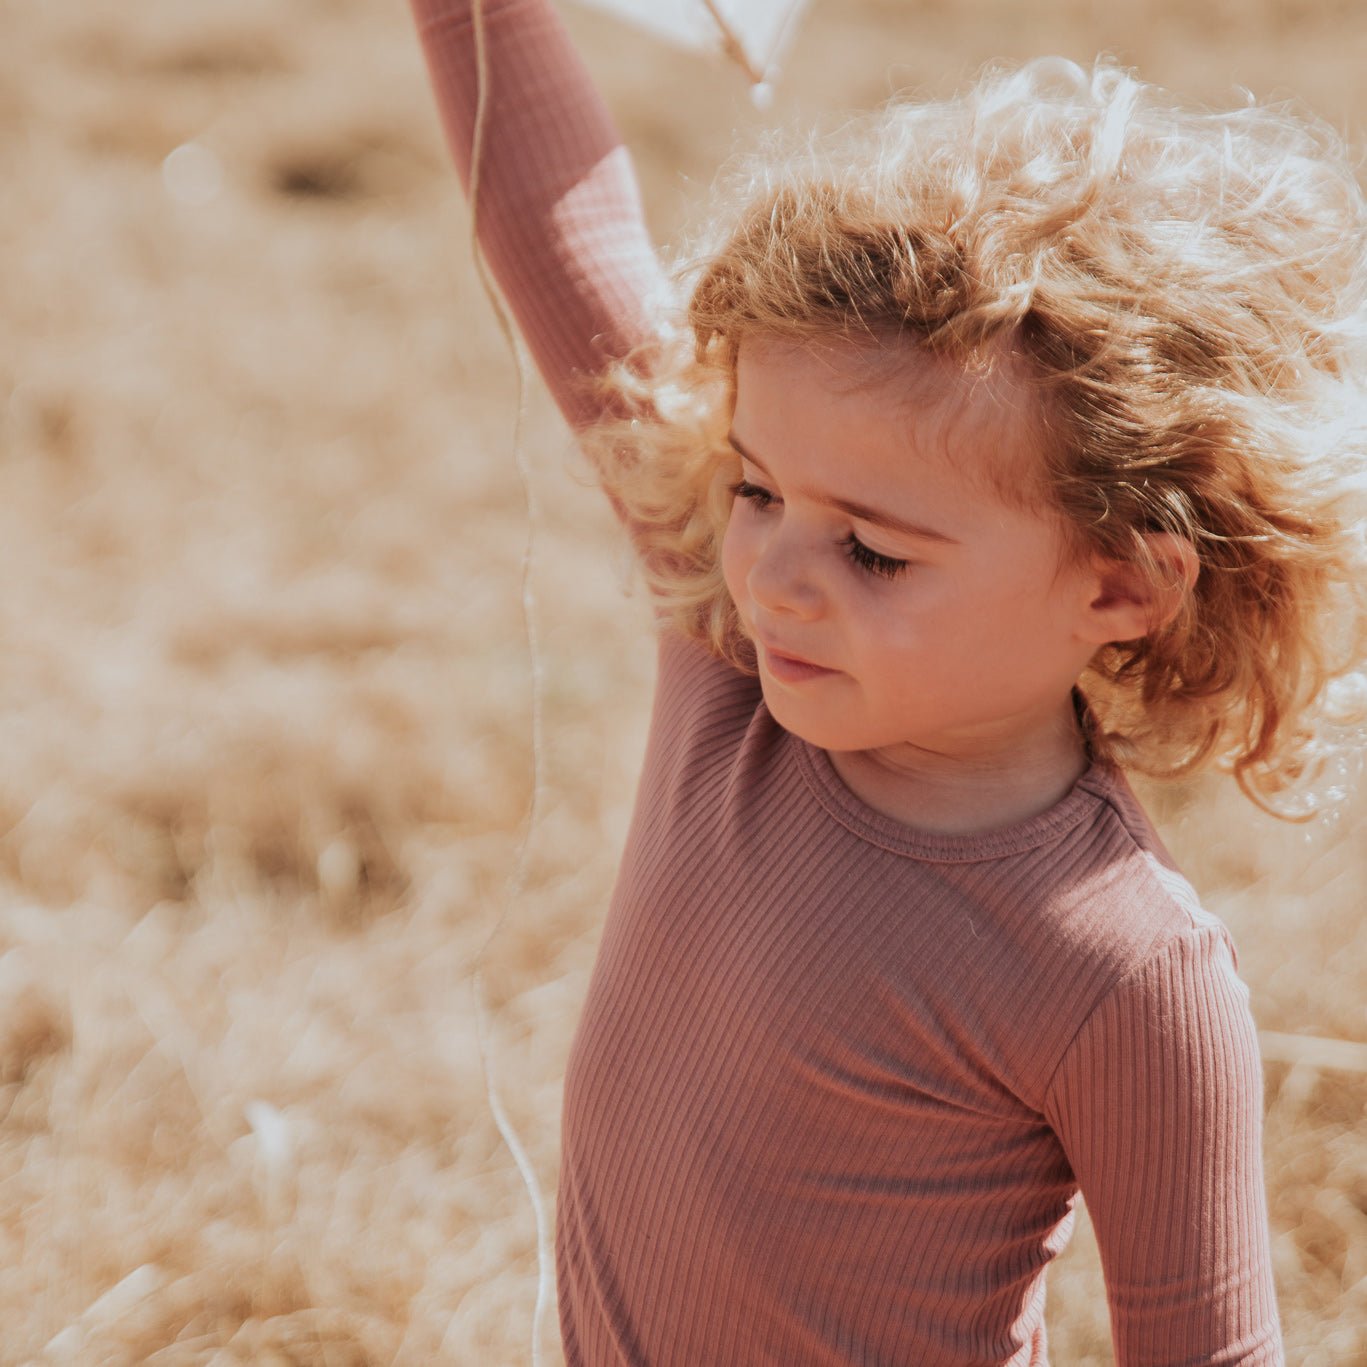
(1130, 601)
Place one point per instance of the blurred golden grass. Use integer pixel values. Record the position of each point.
(265, 706)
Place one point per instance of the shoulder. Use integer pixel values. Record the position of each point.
(1119, 868)
(1168, 978)
(1120, 931)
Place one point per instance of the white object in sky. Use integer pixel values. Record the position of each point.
(751, 31)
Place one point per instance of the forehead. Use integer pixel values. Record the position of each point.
(876, 400)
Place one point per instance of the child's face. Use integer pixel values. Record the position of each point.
(957, 638)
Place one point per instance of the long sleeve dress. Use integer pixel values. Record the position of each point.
(839, 1082)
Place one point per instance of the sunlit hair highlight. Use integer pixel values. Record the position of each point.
(1185, 293)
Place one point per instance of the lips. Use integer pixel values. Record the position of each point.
(789, 668)
(773, 652)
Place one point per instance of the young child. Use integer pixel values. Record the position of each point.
(1006, 444)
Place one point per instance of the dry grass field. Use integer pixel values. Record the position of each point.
(265, 701)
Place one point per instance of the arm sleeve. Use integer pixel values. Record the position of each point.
(1158, 1105)
(559, 211)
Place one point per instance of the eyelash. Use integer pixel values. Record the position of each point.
(885, 566)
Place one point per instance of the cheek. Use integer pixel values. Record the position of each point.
(737, 555)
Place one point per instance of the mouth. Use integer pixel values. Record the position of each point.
(788, 668)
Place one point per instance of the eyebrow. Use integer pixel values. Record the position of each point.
(862, 511)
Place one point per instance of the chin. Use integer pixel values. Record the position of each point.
(814, 725)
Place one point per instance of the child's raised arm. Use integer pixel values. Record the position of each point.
(559, 212)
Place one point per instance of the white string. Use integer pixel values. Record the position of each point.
(517, 882)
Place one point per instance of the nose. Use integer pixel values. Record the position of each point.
(782, 580)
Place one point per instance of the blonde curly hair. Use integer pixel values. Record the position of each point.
(1188, 292)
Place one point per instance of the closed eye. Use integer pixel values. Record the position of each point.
(867, 559)
(761, 498)
(884, 565)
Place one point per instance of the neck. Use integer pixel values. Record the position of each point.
(970, 785)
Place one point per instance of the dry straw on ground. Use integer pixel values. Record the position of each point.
(264, 703)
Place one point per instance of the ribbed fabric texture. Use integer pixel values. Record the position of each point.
(838, 1082)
